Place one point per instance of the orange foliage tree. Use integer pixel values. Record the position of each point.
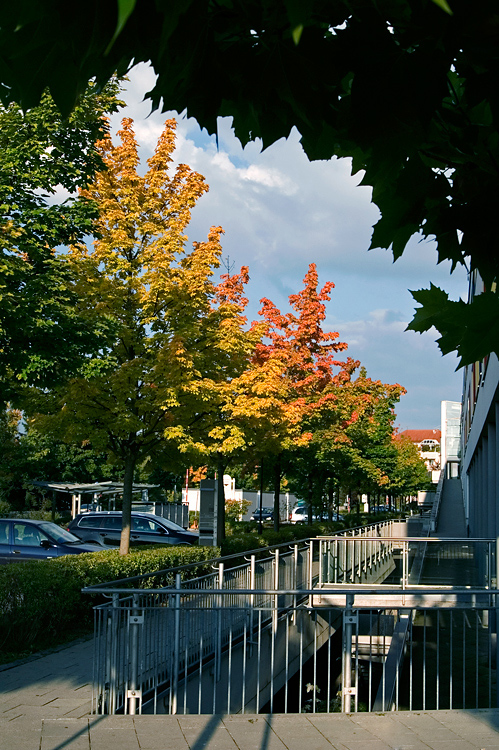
(294, 365)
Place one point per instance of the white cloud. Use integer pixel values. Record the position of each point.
(280, 212)
(271, 178)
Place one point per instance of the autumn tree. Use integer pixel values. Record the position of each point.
(143, 389)
(214, 435)
(44, 160)
(294, 364)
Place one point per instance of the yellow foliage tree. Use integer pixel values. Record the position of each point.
(150, 383)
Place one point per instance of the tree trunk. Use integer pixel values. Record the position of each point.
(220, 498)
(126, 520)
(277, 491)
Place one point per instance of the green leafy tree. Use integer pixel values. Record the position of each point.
(235, 509)
(410, 473)
(29, 455)
(42, 338)
(351, 446)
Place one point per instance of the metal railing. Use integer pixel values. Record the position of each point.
(306, 616)
(239, 658)
(127, 667)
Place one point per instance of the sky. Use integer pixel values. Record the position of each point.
(281, 212)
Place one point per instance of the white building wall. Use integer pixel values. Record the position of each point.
(287, 501)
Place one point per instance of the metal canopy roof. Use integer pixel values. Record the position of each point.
(102, 488)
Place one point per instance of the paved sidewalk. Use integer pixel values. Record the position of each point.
(45, 704)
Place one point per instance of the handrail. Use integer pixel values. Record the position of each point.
(225, 558)
(345, 589)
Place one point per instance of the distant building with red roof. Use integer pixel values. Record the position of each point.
(426, 437)
(428, 443)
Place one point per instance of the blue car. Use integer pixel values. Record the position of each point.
(24, 539)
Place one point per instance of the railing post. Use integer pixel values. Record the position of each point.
(113, 671)
(276, 588)
(404, 564)
(321, 562)
(336, 560)
(349, 619)
(496, 623)
(295, 581)
(310, 570)
(218, 668)
(355, 556)
(364, 551)
(252, 598)
(176, 645)
(135, 621)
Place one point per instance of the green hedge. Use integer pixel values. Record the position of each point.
(41, 603)
(238, 542)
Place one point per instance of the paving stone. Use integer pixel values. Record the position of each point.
(215, 736)
(455, 744)
(341, 729)
(70, 727)
(253, 733)
(78, 713)
(350, 744)
(118, 722)
(51, 743)
(15, 739)
(297, 732)
(108, 739)
(40, 712)
(115, 742)
(167, 728)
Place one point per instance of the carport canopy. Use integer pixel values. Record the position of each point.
(90, 488)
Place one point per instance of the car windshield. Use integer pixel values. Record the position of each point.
(59, 535)
(169, 524)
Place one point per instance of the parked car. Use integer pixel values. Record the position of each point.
(26, 539)
(300, 515)
(266, 515)
(105, 528)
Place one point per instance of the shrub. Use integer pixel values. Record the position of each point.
(239, 542)
(41, 603)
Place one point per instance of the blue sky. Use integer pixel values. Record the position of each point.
(280, 212)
